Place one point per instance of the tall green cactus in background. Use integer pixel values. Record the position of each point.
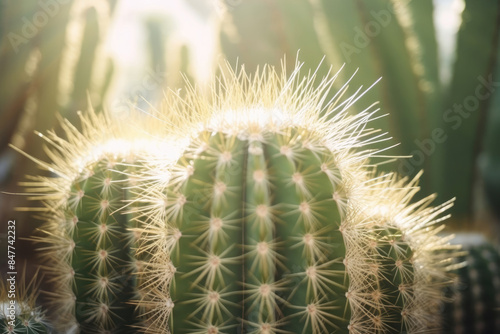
(276, 223)
(468, 101)
(439, 120)
(64, 45)
(489, 161)
(52, 59)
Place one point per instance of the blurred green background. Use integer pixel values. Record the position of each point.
(438, 61)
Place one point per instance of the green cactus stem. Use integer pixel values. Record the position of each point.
(103, 258)
(245, 248)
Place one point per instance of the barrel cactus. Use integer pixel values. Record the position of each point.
(474, 305)
(92, 245)
(275, 221)
(256, 211)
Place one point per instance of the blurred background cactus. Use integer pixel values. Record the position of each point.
(438, 59)
(475, 296)
(51, 57)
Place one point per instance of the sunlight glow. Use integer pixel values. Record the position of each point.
(447, 20)
(193, 26)
(123, 148)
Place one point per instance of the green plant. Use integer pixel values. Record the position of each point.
(91, 243)
(441, 98)
(19, 311)
(276, 223)
(259, 211)
(50, 67)
(474, 305)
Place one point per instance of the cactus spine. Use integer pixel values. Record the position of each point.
(275, 224)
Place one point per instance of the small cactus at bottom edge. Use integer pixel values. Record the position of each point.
(474, 306)
(19, 311)
(277, 223)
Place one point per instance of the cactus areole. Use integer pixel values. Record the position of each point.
(276, 225)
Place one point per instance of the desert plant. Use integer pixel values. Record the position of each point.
(51, 66)
(259, 212)
(276, 223)
(474, 305)
(19, 310)
(91, 243)
(428, 86)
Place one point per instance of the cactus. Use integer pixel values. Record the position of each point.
(91, 242)
(102, 259)
(275, 224)
(19, 311)
(267, 218)
(475, 296)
